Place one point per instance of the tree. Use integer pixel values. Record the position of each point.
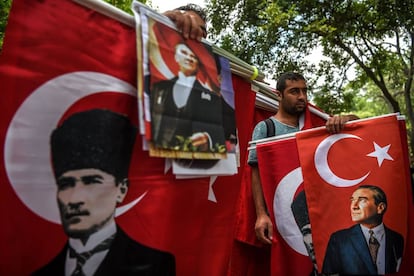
(4, 11)
(373, 37)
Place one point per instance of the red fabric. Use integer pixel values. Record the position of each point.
(165, 41)
(274, 166)
(246, 217)
(249, 260)
(348, 158)
(312, 119)
(249, 256)
(46, 39)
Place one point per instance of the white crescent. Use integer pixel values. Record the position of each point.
(322, 166)
(282, 201)
(27, 150)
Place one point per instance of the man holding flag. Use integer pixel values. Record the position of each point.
(293, 115)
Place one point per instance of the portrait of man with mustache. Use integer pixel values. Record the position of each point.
(91, 153)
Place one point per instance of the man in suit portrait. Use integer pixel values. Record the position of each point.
(300, 213)
(185, 115)
(91, 153)
(369, 247)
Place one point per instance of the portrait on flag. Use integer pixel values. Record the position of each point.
(282, 184)
(186, 98)
(48, 73)
(51, 78)
(347, 247)
(91, 153)
(355, 182)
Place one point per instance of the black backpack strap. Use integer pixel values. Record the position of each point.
(270, 127)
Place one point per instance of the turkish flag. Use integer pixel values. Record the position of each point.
(367, 151)
(59, 58)
(249, 254)
(281, 179)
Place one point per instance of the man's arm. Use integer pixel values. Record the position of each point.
(263, 226)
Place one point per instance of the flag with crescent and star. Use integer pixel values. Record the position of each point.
(282, 181)
(366, 152)
(59, 58)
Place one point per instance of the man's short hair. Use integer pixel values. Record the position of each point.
(292, 76)
(93, 139)
(194, 8)
(379, 194)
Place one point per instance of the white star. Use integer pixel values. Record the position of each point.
(381, 153)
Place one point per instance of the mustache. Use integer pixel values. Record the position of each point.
(75, 213)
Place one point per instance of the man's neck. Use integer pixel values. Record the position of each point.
(92, 240)
(290, 120)
(186, 78)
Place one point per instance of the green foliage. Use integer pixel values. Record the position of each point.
(4, 12)
(373, 38)
(185, 144)
(124, 5)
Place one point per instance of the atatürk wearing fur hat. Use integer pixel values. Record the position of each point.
(96, 138)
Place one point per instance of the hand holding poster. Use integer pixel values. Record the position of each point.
(188, 96)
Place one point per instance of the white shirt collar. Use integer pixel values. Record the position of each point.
(187, 80)
(379, 232)
(94, 239)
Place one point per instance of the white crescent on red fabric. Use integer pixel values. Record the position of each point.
(27, 161)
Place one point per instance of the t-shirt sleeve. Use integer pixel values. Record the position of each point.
(259, 132)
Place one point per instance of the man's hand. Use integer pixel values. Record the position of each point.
(264, 229)
(336, 123)
(200, 140)
(189, 23)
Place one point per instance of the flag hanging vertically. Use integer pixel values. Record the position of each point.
(367, 152)
(282, 182)
(246, 245)
(60, 58)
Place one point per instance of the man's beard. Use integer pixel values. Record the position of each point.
(294, 110)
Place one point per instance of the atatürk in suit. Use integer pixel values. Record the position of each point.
(348, 253)
(201, 113)
(91, 154)
(125, 257)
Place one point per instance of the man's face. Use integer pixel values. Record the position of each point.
(294, 97)
(87, 200)
(307, 240)
(363, 208)
(186, 59)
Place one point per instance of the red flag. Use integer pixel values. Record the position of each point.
(366, 152)
(249, 257)
(282, 181)
(59, 58)
(249, 254)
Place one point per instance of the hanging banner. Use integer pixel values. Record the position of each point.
(61, 65)
(357, 181)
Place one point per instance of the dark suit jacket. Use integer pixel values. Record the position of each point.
(202, 113)
(125, 257)
(348, 253)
